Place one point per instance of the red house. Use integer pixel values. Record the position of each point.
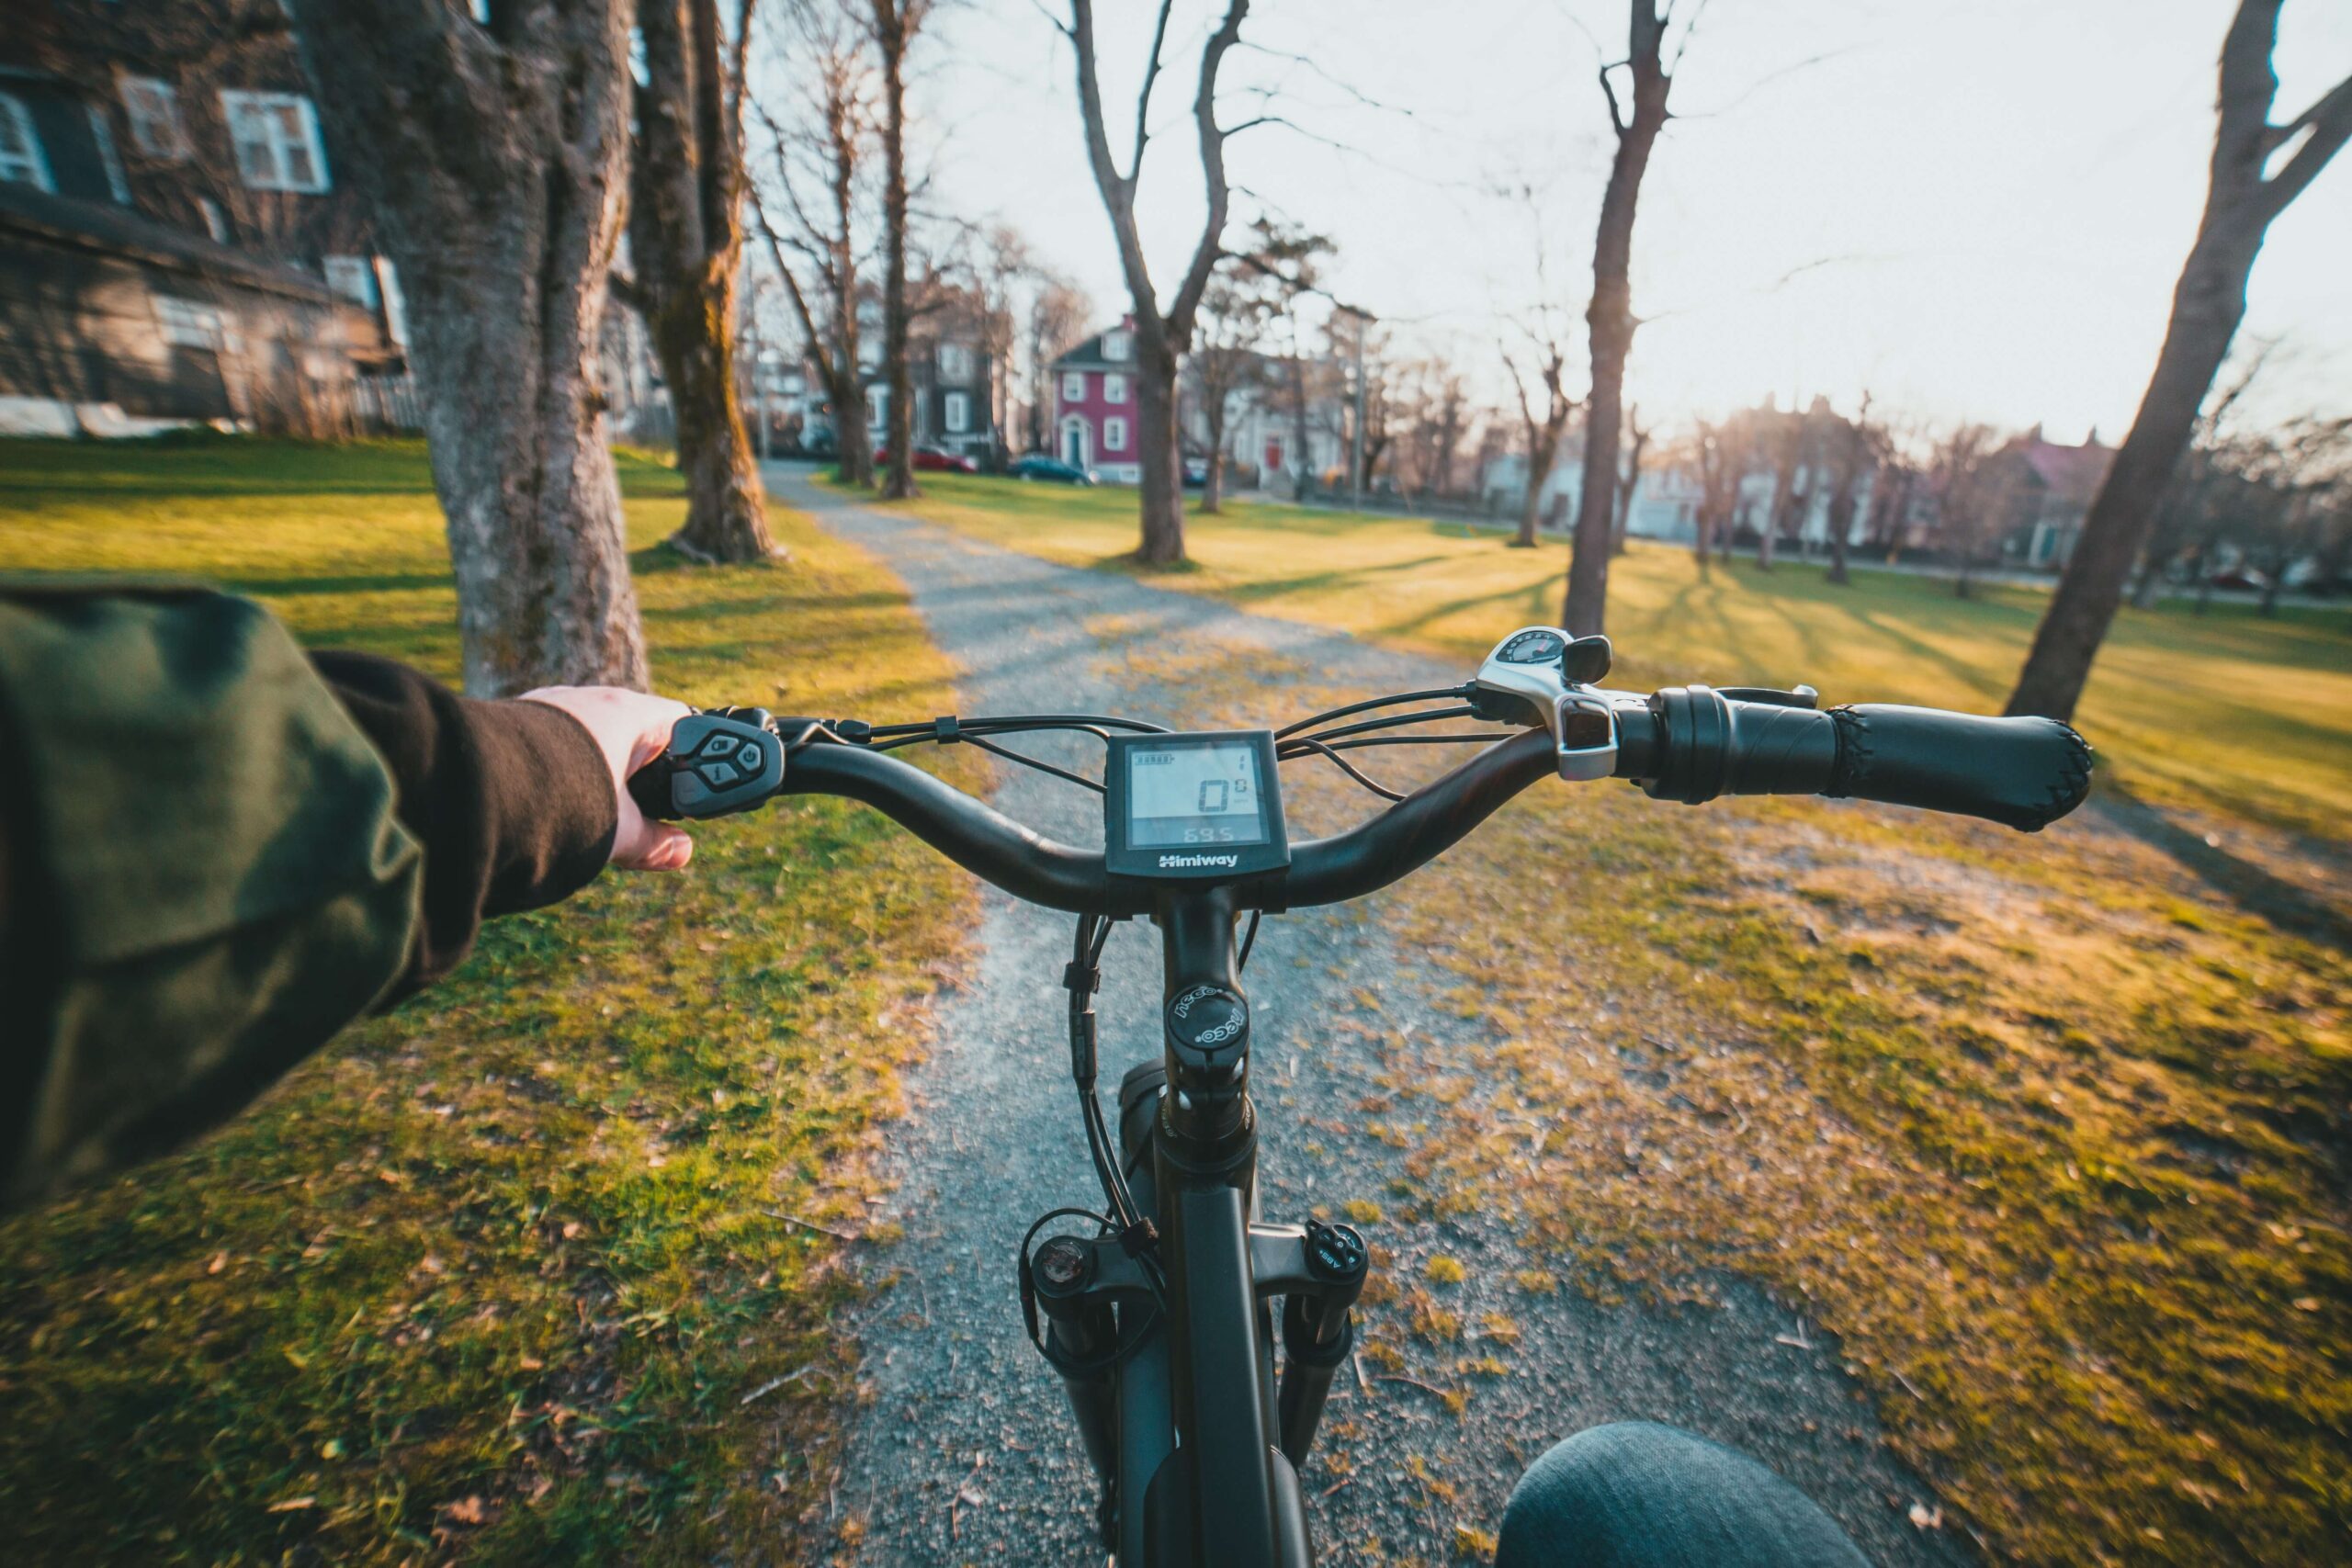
(1095, 406)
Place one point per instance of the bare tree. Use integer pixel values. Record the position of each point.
(495, 155)
(1161, 337)
(1228, 361)
(1637, 440)
(1546, 353)
(824, 143)
(1058, 311)
(2208, 304)
(1849, 446)
(686, 249)
(1000, 267)
(1610, 315)
(1291, 259)
(1784, 438)
(1973, 473)
(1715, 452)
(895, 26)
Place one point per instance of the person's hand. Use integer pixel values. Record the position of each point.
(630, 729)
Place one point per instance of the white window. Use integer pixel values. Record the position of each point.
(189, 323)
(1115, 388)
(277, 138)
(1114, 435)
(395, 305)
(1073, 386)
(954, 361)
(1115, 346)
(153, 109)
(22, 161)
(108, 158)
(959, 413)
(216, 221)
(354, 277)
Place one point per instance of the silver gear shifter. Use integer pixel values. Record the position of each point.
(1540, 675)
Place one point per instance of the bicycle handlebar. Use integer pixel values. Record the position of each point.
(1689, 743)
(2021, 772)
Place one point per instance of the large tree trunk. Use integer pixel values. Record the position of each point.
(1610, 318)
(1784, 487)
(2207, 305)
(1538, 474)
(1163, 476)
(496, 158)
(891, 36)
(1841, 509)
(1302, 481)
(1213, 484)
(686, 241)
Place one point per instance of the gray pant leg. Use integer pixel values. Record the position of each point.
(1636, 1495)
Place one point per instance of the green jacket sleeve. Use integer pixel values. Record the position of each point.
(216, 852)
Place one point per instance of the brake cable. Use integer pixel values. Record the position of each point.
(1139, 1237)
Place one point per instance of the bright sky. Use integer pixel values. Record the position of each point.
(1970, 207)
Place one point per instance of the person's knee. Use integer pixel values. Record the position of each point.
(1637, 1495)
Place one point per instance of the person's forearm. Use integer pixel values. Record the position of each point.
(511, 801)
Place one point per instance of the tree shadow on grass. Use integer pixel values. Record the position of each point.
(1537, 596)
(2248, 885)
(1276, 587)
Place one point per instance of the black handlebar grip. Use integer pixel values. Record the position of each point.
(2022, 773)
(650, 787)
(1701, 744)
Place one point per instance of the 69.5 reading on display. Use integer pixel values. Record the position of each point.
(1194, 805)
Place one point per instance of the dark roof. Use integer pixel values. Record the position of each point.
(119, 231)
(2073, 473)
(1087, 354)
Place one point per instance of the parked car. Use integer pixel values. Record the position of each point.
(935, 460)
(1041, 469)
(1196, 473)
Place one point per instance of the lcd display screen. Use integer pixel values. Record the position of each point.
(1195, 794)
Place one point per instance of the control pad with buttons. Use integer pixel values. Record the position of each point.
(716, 764)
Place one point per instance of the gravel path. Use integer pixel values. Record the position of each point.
(965, 1454)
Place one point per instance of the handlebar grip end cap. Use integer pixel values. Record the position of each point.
(650, 787)
(2023, 773)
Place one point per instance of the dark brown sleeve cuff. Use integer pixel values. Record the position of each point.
(511, 800)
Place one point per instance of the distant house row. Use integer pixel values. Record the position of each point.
(2046, 488)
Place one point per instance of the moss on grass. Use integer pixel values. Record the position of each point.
(509, 1275)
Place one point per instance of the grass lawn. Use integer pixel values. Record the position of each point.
(2224, 710)
(2052, 1133)
(507, 1275)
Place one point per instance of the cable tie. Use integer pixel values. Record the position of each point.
(945, 731)
(1082, 978)
(1139, 1238)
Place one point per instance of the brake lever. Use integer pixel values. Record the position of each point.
(1540, 675)
(716, 764)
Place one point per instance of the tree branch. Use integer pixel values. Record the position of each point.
(1616, 116)
(1212, 246)
(1143, 98)
(2329, 124)
(1118, 193)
